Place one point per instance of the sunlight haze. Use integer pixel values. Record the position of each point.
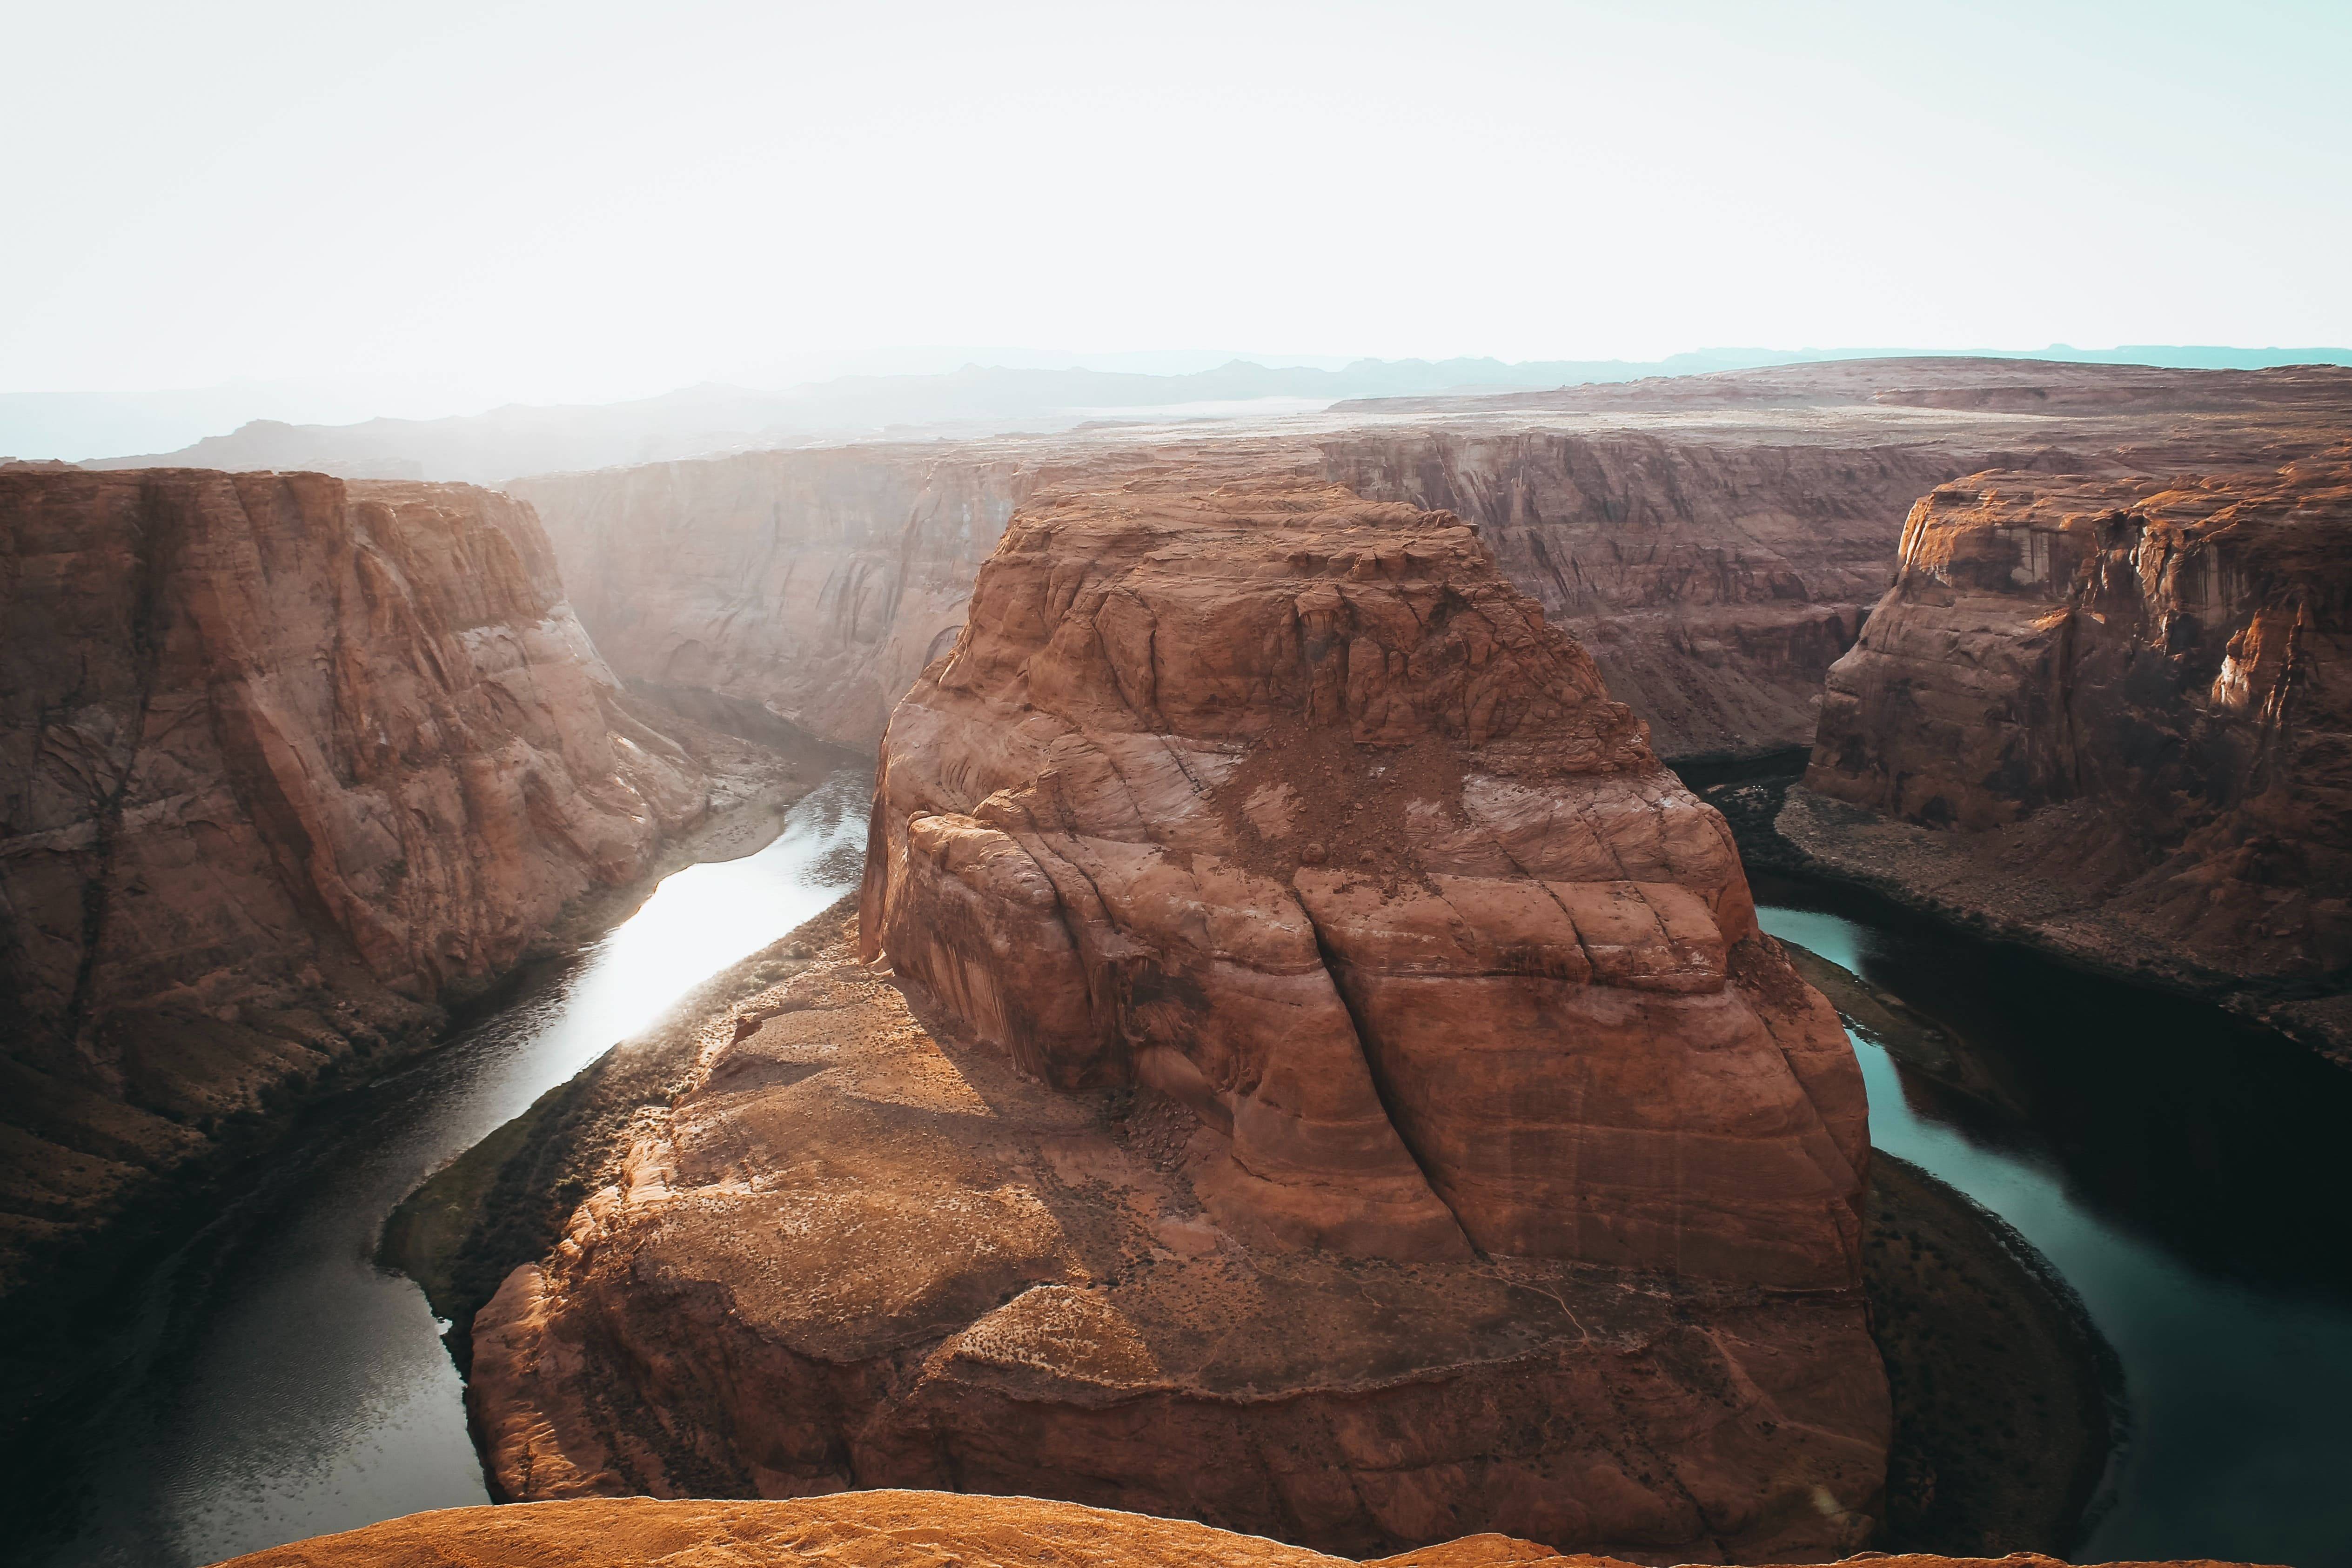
(474, 204)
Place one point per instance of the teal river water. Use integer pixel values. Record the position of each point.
(285, 1386)
(2191, 1180)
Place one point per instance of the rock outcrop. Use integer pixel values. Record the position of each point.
(1290, 806)
(886, 1530)
(1331, 1085)
(2115, 715)
(284, 761)
(1715, 540)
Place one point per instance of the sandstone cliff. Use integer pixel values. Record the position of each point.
(886, 1530)
(1714, 582)
(283, 761)
(1714, 539)
(813, 584)
(1717, 541)
(1331, 1086)
(2115, 715)
(1288, 806)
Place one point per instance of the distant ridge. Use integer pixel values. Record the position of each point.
(518, 439)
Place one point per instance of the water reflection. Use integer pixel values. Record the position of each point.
(2188, 1178)
(299, 1389)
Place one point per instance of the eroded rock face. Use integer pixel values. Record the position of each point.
(814, 584)
(2132, 697)
(1328, 1083)
(865, 1252)
(1713, 580)
(283, 760)
(881, 1530)
(1714, 541)
(1290, 806)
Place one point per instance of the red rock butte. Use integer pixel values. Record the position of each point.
(1290, 806)
(1312, 1072)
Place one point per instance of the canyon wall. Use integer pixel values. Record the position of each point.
(1714, 541)
(814, 584)
(2116, 714)
(284, 760)
(1714, 582)
(1300, 1064)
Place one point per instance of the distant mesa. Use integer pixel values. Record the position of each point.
(977, 400)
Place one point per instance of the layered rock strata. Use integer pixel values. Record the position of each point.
(814, 584)
(1714, 582)
(1717, 541)
(1714, 539)
(1328, 1083)
(886, 1530)
(284, 761)
(1290, 806)
(2115, 714)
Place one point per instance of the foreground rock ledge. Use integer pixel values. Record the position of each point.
(877, 1529)
(1331, 1086)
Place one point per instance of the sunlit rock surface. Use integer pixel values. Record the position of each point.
(1290, 806)
(884, 1530)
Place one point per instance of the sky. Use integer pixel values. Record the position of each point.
(475, 202)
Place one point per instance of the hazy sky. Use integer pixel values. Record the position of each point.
(585, 200)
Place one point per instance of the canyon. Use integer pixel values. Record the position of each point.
(2115, 715)
(1714, 541)
(286, 763)
(1299, 1063)
(1192, 1080)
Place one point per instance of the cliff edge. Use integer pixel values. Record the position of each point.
(2115, 716)
(890, 1529)
(284, 761)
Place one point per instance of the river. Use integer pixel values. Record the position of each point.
(2189, 1178)
(2192, 1179)
(288, 1386)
